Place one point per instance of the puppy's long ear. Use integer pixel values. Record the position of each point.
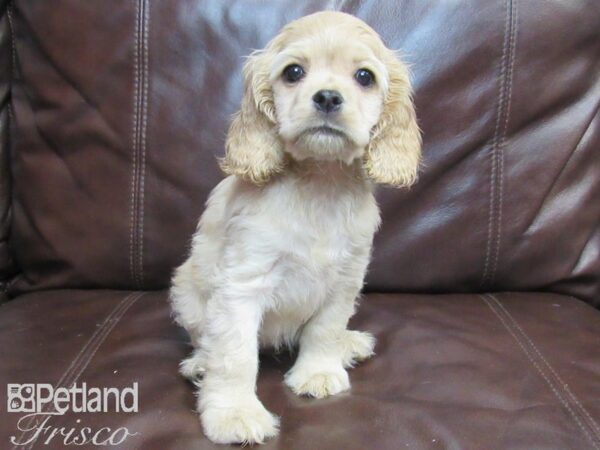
(394, 152)
(253, 149)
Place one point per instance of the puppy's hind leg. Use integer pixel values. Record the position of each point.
(327, 348)
(319, 369)
(356, 347)
(194, 365)
(189, 310)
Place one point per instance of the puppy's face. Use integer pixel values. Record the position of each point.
(325, 88)
(328, 90)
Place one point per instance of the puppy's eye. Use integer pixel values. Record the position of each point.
(364, 77)
(293, 73)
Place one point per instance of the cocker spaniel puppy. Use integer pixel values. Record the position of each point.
(281, 251)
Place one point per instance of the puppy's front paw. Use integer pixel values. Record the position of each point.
(357, 346)
(246, 424)
(318, 384)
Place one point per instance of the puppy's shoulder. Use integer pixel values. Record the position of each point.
(227, 198)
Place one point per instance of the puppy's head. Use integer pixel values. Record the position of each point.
(325, 88)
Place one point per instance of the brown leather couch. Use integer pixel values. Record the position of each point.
(486, 274)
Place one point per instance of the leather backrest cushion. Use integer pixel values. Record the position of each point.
(6, 65)
(121, 111)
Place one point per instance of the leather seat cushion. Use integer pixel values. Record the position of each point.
(509, 370)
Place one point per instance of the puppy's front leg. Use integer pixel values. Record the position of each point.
(326, 349)
(229, 407)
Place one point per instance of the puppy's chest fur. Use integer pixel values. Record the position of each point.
(316, 246)
(321, 240)
(293, 244)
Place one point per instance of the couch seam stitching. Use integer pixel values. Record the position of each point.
(88, 344)
(500, 153)
(13, 48)
(545, 376)
(111, 324)
(140, 114)
(84, 362)
(141, 209)
(11, 120)
(133, 187)
(74, 362)
(564, 385)
(494, 144)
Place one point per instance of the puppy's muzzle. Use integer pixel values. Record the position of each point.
(327, 100)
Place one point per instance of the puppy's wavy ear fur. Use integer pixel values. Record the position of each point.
(394, 152)
(253, 149)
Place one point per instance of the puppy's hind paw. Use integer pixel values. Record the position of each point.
(248, 424)
(319, 384)
(192, 367)
(357, 346)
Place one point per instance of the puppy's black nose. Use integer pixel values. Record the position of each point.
(327, 100)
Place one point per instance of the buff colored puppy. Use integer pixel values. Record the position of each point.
(281, 251)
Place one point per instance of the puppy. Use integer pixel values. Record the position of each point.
(281, 251)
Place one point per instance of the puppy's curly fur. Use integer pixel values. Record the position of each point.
(281, 251)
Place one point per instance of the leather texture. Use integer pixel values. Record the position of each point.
(112, 115)
(6, 65)
(451, 372)
(121, 113)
